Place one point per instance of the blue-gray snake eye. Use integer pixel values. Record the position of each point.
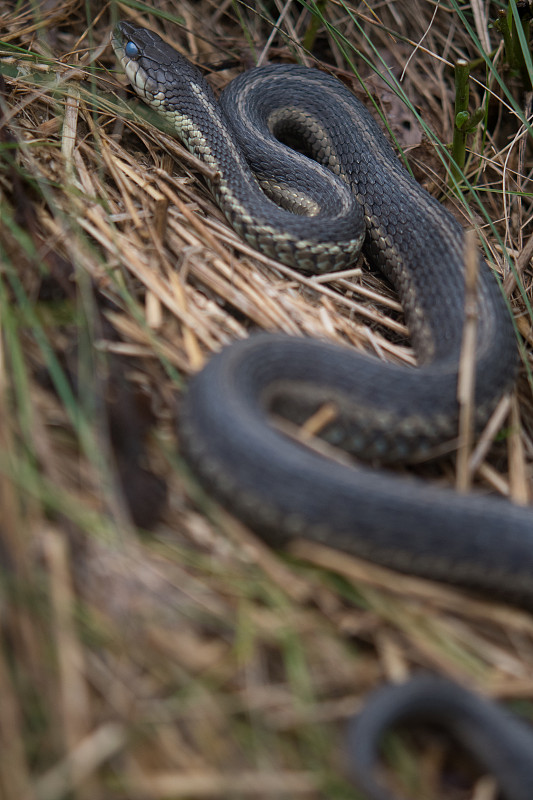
(131, 50)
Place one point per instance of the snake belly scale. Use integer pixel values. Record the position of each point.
(382, 411)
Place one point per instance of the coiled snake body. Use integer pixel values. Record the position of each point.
(382, 411)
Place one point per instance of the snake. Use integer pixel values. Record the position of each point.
(304, 174)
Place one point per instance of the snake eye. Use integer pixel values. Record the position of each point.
(131, 50)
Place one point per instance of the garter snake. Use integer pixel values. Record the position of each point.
(314, 214)
(383, 411)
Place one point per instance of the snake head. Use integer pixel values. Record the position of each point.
(157, 72)
(137, 49)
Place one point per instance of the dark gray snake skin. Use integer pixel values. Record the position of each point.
(501, 743)
(382, 411)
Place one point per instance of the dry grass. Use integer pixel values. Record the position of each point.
(192, 661)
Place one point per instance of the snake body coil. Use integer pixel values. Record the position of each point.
(382, 411)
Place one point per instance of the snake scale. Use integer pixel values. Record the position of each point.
(313, 209)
